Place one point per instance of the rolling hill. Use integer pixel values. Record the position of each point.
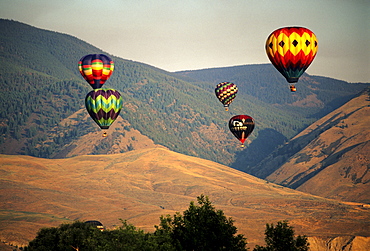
(330, 158)
(142, 185)
(43, 113)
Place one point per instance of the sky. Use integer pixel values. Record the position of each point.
(176, 35)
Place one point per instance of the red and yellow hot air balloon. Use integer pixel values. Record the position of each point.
(96, 69)
(291, 50)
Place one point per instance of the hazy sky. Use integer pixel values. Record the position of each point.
(194, 34)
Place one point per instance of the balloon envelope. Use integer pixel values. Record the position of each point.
(96, 69)
(291, 50)
(226, 93)
(96, 224)
(241, 126)
(104, 106)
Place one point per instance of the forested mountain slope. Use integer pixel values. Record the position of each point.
(42, 113)
(315, 95)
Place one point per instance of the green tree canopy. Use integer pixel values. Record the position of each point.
(201, 227)
(76, 236)
(281, 238)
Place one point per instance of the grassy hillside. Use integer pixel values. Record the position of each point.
(330, 158)
(45, 94)
(142, 185)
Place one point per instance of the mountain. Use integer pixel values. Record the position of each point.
(121, 138)
(43, 115)
(343, 243)
(316, 95)
(141, 185)
(330, 158)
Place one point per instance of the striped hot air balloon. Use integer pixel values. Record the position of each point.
(291, 50)
(96, 69)
(226, 92)
(104, 106)
(241, 126)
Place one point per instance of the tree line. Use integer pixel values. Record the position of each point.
(200, 228)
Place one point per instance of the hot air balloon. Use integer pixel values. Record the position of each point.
(291, 50)
(241, 126)
(96, 69)
(226, 92)
(104, 106)
(96, 224)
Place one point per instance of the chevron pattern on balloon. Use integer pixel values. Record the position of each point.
(104, 106)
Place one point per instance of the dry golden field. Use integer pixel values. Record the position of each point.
(142, 185)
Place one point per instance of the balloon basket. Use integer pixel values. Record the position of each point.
(293, 88)
(105, 134)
